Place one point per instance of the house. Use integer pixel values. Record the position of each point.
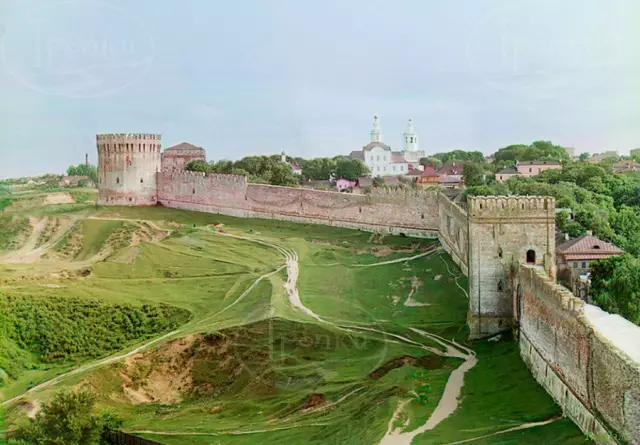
(599, 157)
(379, 157)
(74, 181)
(178, 156)
(451, 181)
(626, 167)
(576, 254)
(297, 170)
(414, 172)
(529, 169)
(429, 178)
(451, 168)
(345, 184)
(506, 173)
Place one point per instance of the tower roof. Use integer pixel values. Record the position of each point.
(410, 129)
(376, 131)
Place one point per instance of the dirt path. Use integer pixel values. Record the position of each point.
(524, 426)
(455, 278)
(450, 397)
(28, 253)
(401, 260)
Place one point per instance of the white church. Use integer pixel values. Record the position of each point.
(382, 161)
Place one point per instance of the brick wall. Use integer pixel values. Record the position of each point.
(454, 232)
(596, 384)
(412, 212)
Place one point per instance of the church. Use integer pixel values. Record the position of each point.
(382, 161)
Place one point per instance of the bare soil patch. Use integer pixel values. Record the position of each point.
(427, 362)
(59, 198)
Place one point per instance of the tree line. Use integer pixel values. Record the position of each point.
(271, 169)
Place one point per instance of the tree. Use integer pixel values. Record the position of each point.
(584, 156)
(318, 168)
(615, 286)
(350, 169)
(473, 174)
(69, 419)
(199, 165)
(84, 170)
(437, 163)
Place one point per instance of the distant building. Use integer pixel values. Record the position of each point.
(345, 184)
(626, 167)
(429, 178)
(577, 254)
(529, 169)
(381, 160)
(178, 156)
(599, 157)
(297, 170)
(74, 181)
(635, 152)
(451, 168)
(450, 181)
(570, 151)
(507, 173)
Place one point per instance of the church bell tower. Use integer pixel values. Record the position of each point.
(409, 138)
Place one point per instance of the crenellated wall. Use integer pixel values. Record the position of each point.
(454, 232)
(596, 383)
(412, 212)
(127, 167)
(504, 231)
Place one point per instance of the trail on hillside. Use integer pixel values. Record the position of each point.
(402, 260)
(524, 426)
(28, 253)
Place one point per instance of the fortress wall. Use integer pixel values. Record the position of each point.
(413, 212)
(595, 383)
(454, 232)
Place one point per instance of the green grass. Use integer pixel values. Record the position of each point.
(276, 357)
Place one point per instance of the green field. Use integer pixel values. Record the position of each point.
(205, 329)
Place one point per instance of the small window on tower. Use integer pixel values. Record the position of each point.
(499, 285)
(117, 180)
(141, 181)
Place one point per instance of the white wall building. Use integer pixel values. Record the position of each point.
(381, 160)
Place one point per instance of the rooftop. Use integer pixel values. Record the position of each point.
(508, 171)
(183, 146)
(541, 162)
(585, 245)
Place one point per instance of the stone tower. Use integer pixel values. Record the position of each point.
(504, 232)
(409, 138)
(376, 131)
(127, 167)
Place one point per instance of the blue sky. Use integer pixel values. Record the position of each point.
(255, 77)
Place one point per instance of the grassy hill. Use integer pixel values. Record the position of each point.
(205, 329)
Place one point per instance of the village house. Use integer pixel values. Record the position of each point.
(451, 181)
(529, 169)
(626, 167)
(344, 185)
(577, 254)
(75, 181)
(506, 173)
(429, 178)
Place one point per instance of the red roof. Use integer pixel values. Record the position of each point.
(395, 159)
(429, 170)
(451, 168)
(588, 247)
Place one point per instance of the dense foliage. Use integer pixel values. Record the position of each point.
(57, 328)
(271, 169)
(536, 151)
(615, 286)
(260, 169)
(69, 419)
(84, 170)
(460, 156)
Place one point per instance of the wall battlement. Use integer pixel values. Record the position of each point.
(108, 137)
(507, 207)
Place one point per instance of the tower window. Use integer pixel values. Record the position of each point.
(117, 180)
(499, 285)
(500, 252)
(194, 191)
(531, 256)
(141, 181)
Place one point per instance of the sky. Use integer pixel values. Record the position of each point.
(249, 77)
